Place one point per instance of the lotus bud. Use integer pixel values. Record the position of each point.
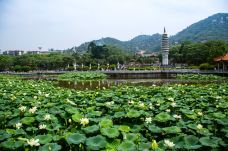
(70, 121)
(154, 145)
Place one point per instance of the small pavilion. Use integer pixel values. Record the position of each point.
(222, 61)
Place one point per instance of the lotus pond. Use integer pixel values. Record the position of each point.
(37, 115)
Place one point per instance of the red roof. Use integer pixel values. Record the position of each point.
(222, 58)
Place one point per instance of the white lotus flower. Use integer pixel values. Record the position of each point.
(71, 102)
(169, 143)
(33, 110)
(173, 104)
(177, 116)
(47, 95)
(170, 88)
(218, 97)
(22, 108)
(35, 97)
(151, 106)
(158, 104)
(33, 142)
(47, 117)
(39, 92)
(42, 126)
(18, 125)
(109, 103)
(142, 105)
(84, 121)
(199, 126)
(131, 102)
(148, 120)
(200, 113)
(168, 110)
(171, 99)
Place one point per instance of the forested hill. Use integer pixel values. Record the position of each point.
(212, 28)
(141, 42)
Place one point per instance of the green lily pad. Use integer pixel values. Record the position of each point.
(127, 146)
(50, 147)
(154, 129)
(144, 146)
(96, 142)
(12, 145)
(133, 114)
(27, 120)
(105, 123)
(219, 115)
(110, 132)
(77, 117)
(113, 145)
(163, 117)
(72, 110)
(131, 136)
(91, 129)
(191, 142)
(4, 136)
(207, 141)
(76, 138)
(44, 139)
(172, 130)
(124, 128)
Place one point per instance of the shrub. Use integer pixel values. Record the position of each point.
(206, 66)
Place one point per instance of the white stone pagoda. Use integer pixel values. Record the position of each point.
(165, 49)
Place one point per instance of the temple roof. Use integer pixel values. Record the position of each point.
(222, 58)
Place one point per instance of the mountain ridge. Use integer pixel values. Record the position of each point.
(214, 27)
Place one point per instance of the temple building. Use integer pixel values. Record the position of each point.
(165, 49)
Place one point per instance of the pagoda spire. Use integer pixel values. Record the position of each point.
(164, 31)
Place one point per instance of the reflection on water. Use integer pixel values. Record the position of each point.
(91, 85)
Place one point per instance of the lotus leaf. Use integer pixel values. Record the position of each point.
(96, 142)
(44, 139)
(133, 114)
(76, 138)
(91, 129)
(163, 117)
(172, 130)
(154, 129)
(127, 146)
(124, 128)
(131, 136)
(72, 110)
(105, 123)
(113, 145)
(12, 145)
(50, 147)
(110, 132)
(144, 146)
(211, 142)
(77, 117)
(27, 120)
(219, 115)
(191, 142)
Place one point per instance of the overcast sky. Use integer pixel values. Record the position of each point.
(60, 24)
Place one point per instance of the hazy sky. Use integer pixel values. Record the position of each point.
(27, 24)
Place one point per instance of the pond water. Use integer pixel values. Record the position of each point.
(107, 83)
(90, 85)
